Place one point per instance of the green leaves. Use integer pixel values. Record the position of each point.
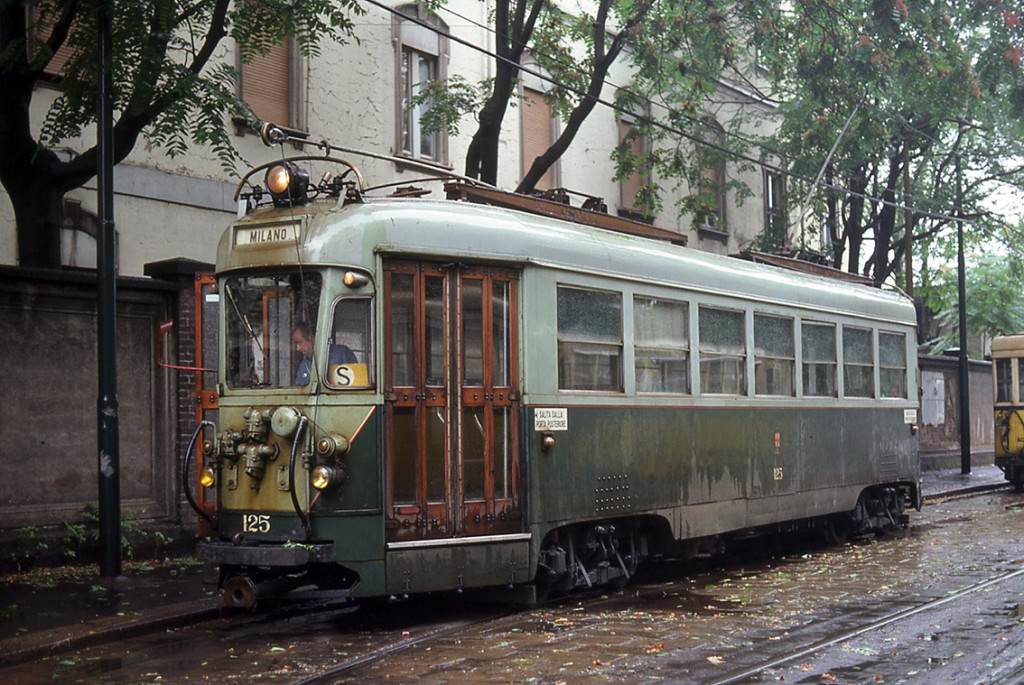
(447, 101)
(165, 81)
(937, 77)
(995, 302)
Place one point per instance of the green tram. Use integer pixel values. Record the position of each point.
(431, 394)
(1008, 377)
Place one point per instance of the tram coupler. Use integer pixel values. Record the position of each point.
(242, 593)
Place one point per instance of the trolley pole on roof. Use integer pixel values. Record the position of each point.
(965, 390)
(106, 312)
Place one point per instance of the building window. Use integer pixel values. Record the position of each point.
(589, 340)
(539, 127)
(858, 362)
(538, 133)
(420, 56)
(269, 85)
(630, 204)
(892, 364)
(774, 203)
(722, 351)
(711, 181)
(662, 345)
(818, 345)
(79, 229)
(774, 357)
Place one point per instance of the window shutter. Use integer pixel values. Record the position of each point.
(266, 85)
(631, 186)
(536, 132)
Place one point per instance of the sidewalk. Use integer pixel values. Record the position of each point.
(935, 482)
(47, 612)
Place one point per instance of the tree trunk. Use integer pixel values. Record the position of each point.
(514, 24)
(886, 225)
(853, 221)
(482, 155)
(38, 215)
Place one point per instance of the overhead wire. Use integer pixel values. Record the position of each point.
(665, 127)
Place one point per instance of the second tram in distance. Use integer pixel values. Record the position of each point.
(1007, 377)
(430, 394)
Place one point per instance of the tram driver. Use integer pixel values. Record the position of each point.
(302, 340)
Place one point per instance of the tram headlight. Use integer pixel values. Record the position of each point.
(354, 279)
(207, 477)
(287, 183)
(326, 478)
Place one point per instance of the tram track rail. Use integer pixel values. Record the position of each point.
(745, 674)
(444, 630)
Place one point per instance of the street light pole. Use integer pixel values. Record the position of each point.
(109, 458)
(965, 390)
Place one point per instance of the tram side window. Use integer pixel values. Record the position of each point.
(892, 364)
(1020, 380)
(589, 340)
(1004, 380)
(818, 343)
(266, 316)
(858, 362)
(774, 356)
(662, 345)
(722, 351)
(349, 348)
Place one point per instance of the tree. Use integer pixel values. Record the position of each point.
(929, 87)
(675, 50)
(167, 87)
(996, 304)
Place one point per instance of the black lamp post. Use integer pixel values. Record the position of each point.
(109, 459)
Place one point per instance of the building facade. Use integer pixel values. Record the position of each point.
(359, 95)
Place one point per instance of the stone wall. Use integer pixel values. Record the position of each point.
(940, 405)
(48, 409)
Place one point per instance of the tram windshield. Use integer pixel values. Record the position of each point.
(271, 328)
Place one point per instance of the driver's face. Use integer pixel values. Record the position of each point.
(303, 344)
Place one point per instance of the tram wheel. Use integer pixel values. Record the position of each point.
(837, 529)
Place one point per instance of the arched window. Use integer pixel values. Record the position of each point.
(78, 231)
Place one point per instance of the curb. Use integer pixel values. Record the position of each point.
(24, 648)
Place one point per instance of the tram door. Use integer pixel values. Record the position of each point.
(450, 393)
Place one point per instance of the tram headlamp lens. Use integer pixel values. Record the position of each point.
(332, 445)
(354, 279)
(287, 184)
(278, 179)
(207, 478)
(325, 478)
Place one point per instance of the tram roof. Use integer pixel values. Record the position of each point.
(1008, 345)
(353, 234)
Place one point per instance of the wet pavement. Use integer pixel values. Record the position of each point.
(62, 610)
(49, 610)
